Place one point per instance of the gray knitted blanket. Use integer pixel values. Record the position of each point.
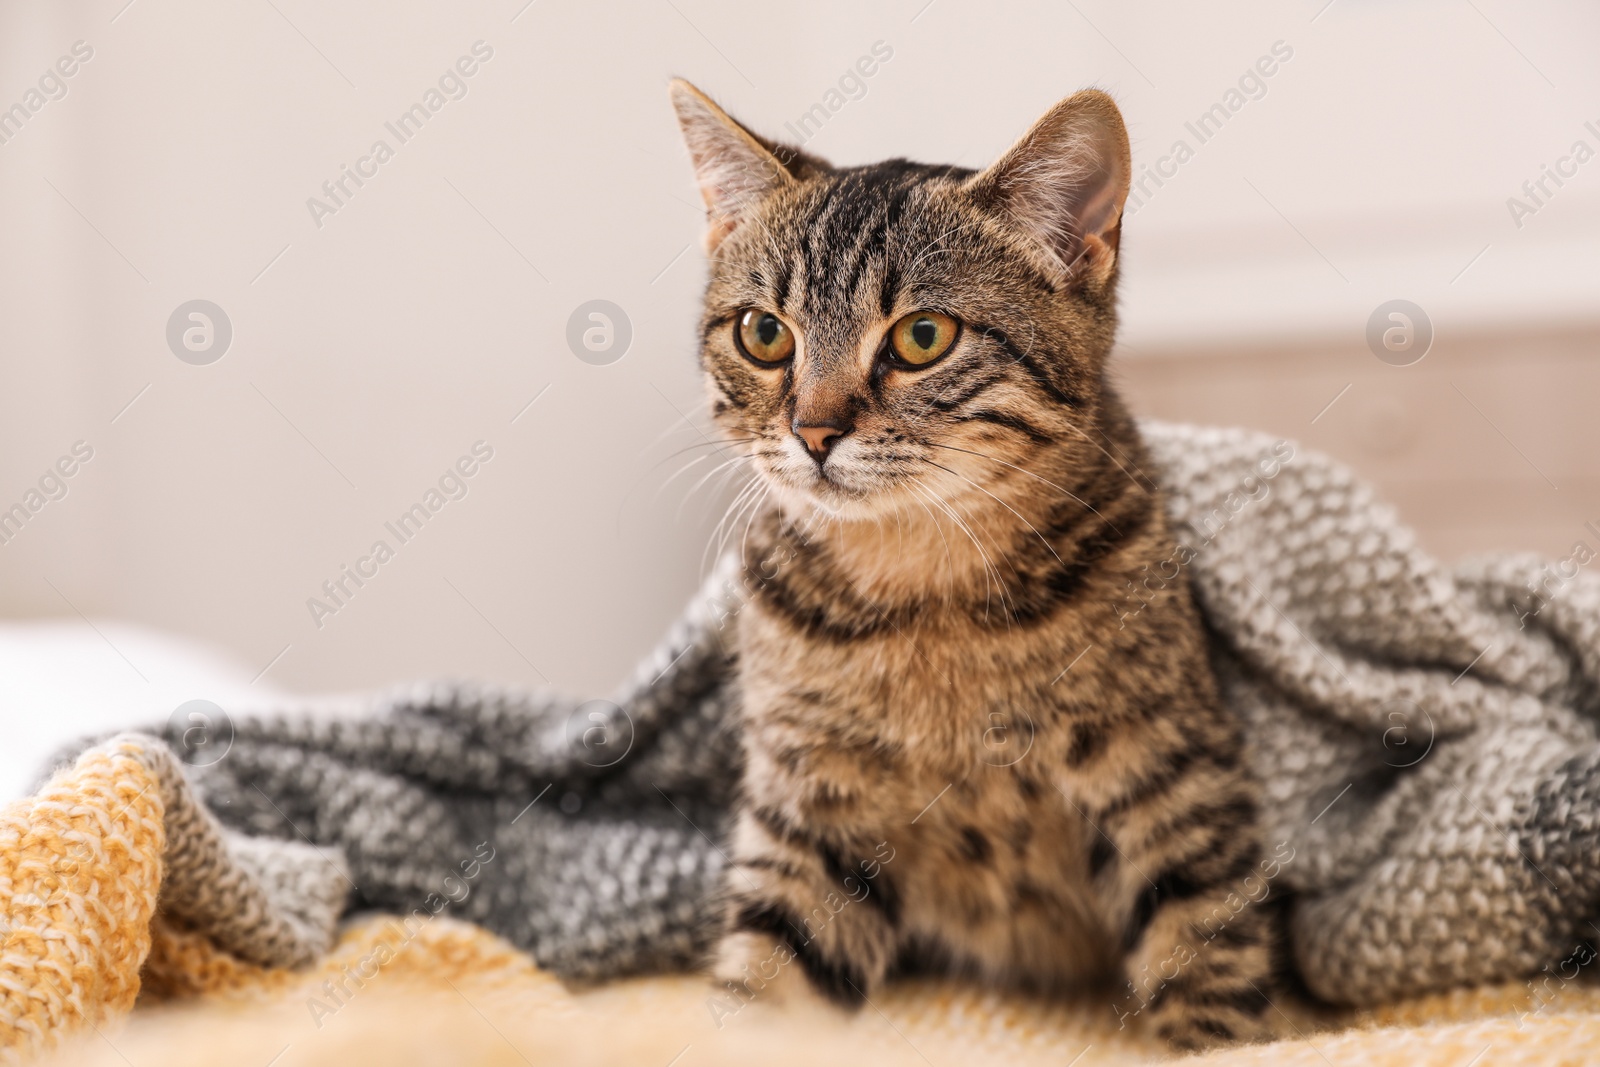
(1426, 737)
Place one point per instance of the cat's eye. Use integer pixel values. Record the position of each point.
(923, 336)
(763, 337)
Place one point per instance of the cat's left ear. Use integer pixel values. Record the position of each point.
(1064, 183)
(736, 169)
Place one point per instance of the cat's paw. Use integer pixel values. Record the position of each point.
(760, 968)
(1195, 1030)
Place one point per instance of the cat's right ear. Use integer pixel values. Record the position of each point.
(736, 169)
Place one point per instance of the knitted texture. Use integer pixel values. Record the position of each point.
(1425, 738)
(89, 861)
(80, 869)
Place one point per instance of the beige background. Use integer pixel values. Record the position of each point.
(371, 352)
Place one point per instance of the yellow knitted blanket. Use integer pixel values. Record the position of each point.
(86, 934)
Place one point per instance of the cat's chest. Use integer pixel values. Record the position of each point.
(932, 700)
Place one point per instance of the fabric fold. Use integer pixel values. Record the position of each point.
(111, 851)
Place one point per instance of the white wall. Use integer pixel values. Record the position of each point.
(429, 310)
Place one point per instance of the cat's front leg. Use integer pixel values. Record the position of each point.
(808, 912)
(1183, 871)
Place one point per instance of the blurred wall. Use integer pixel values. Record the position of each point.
(376, 340)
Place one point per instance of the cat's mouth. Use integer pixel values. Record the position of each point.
(830, 484)
(858, 481)
(845, 485)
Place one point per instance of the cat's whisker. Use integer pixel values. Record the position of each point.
(900, 532)
(731, 469)
(1125, 456)
(709, 442)
(1139, 485)
(877, 519)
(711, 553)
(1042, 540)
(1007, 603)
(634, 485)
(991, 574)
(750, 510)
(725, 465)
(680, 472)
(1046, 481)
(751, 491)
(949, 561)
(719, 468)
(755, 512)
(737, 502)
(720, 451)
(727, 476)
(673, 428)
(748, 495)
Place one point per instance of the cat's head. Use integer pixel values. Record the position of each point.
(876, 334)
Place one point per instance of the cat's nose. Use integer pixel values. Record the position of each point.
(820, 436)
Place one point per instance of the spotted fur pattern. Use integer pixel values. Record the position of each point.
(963, 750)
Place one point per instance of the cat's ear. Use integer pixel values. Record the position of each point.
(736, 169)
(1064, 183)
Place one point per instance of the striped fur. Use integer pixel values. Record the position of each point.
(962, 751)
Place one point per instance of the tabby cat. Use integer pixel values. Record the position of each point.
(963, 751)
